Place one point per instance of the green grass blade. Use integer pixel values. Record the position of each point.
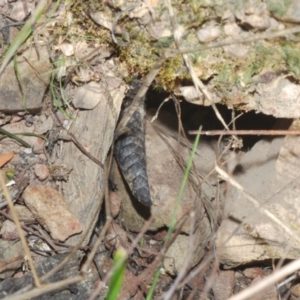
(56, 101)
(153, 285)
(183, 184)
(21, 83)
(13, 136)
(175, 211)
(62, 94)
(25, 134)
(23, 34)
(116, 279)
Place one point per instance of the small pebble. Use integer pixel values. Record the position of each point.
(41, 171)
(253, 272)
(208, 34)
(9, 231)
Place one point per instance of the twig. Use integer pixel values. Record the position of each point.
(46, 288)
(82, 149)
(96, 247)
(129, 251)
(32, 232)
(246, 132)
(46, 237)
(268, 35)
(185, 268)
(19, 229)
(197, 82)
(17, 295)
(268, 281)
(114, 25)
(139, 96)
(256, 203)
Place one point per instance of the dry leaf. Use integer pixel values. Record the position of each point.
(6, 158)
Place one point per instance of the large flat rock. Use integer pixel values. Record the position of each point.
(33, 74)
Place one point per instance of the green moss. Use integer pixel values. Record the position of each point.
(225, 75)
(278, 7)
(142, 50)
(291, 56)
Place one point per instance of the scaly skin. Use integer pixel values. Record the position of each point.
(131, 156)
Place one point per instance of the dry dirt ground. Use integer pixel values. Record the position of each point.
(224, 223)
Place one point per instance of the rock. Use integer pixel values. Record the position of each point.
(180, 251)
(208, 33)
(190, 94)
(67, 49)
(88, 96)
(36, 76)
(50, 210)
(277, 97)
(286, 10)
(253, 272)
(19, 11)
(95, 130)
(11, 257)
(79, 290)
(102, 19)
(24, 214)
(165, 177)
(224, 285)
(9, 231)
(115, 204)
(259, 22)
(270, 172)
(41, 171)
(269, 294)
(37, 143)
(232, 29)
(117, 237)
(42, 124)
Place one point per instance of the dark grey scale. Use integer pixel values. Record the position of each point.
(131, 157)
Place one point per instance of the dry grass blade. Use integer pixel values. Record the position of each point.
(184, 270)
(129, 251)
(257, 37)
(25, 294)
(23, 34)
(268, 281)
(247, 132)
(257, 204)
(197, 82)
(19, 229)
(46, 288)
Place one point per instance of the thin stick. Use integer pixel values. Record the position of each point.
(23, 292)
(19, 229)
(95, 248)
(246, 132)
(268, 281)
(46, 288)
(187, 263)
(256, 203)
(268, 35)
(129, 251)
